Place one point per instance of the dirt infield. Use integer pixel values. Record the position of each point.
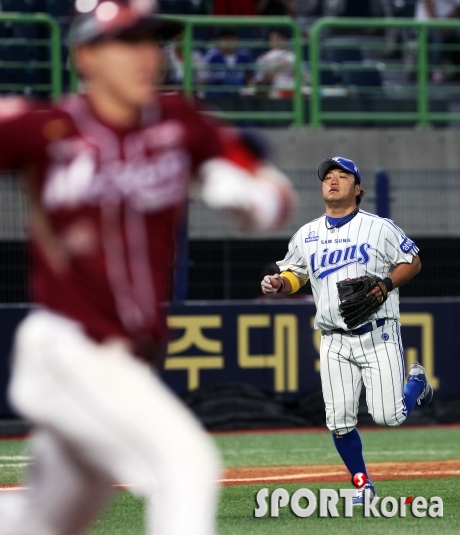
(338, 473)
(334, 473)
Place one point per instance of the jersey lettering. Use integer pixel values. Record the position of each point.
(149, 183)
(332, 261)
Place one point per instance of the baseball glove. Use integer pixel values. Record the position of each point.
(354, 306)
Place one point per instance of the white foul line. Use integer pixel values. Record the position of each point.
(283, 477)
(15, 458)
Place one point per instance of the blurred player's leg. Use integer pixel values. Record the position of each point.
(120, 418)
(64, 496)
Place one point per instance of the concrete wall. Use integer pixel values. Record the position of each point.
(423, 165)
(369, 148)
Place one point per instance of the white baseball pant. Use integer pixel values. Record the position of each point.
(375, 359)
(103, 417)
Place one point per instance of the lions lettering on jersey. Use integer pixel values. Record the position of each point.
(332, 261)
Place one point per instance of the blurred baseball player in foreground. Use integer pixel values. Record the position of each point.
(107, 176)
(356, 262)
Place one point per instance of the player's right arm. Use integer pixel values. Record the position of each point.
(294, 270)
(233, 174)
(286, 283)
(25, 132)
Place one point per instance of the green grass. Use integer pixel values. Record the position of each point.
(236, 508)
(124, 516)
(236, 513)
(284, 449)
(10, 469)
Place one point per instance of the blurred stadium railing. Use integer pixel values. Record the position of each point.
(410, 78)
(351, 71)
(30, 55)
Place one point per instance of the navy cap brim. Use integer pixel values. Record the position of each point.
(326, 165)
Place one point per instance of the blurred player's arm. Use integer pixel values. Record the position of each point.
(40, 229)
(242, 180)
(233, 171)
(22, 143)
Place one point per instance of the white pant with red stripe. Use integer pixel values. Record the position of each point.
(102, 418)
(374, 359)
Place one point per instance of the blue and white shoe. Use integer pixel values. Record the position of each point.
(417, 373)
(359, 498)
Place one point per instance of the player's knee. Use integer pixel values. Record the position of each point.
(341, 423)
(342, 431)
(388, 419)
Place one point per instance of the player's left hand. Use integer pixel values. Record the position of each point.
(359, 299)
(377, 292)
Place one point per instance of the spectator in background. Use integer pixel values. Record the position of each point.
(275, 68)
(227, 64)
(174, 64)
(277, 8)
(234, 7)
(440, 9)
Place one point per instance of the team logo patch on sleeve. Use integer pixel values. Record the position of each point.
(406, 245)
(311, 237)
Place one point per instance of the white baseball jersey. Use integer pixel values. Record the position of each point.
(367, 245)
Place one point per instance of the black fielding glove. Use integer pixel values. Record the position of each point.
(355, 307)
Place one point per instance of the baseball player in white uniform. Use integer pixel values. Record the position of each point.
(345, 243)
(108, 173)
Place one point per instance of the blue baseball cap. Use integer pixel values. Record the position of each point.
(347, 165)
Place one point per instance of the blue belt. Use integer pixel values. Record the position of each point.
(364, 329)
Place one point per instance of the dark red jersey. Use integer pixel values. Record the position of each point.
(113, 198)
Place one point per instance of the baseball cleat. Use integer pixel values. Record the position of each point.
(417, 373)
(359, 498)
